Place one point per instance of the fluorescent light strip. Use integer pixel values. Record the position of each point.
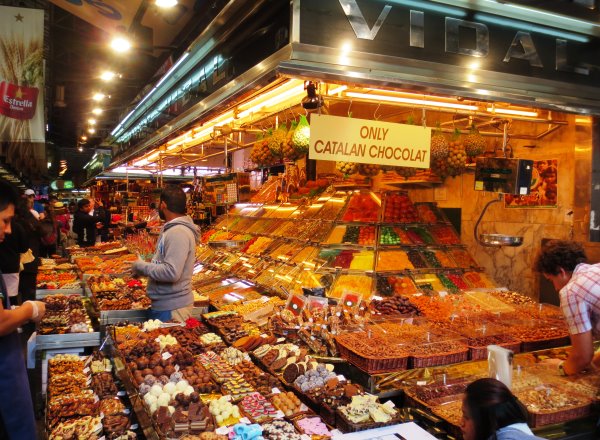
(337, 90)
(508, 111)
(411, 101)
(435, 8)
(552, 15)
(281, 97)
(520, 25)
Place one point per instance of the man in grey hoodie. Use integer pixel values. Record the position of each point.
(170, 271)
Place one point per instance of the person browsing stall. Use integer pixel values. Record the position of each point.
(170, 271)
(85, 225)
(17, 419)
(491, 411)
(564, 264)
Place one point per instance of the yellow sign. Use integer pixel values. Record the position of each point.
(365, 141)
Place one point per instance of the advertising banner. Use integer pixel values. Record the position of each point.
(21, 75)
(108, 15)
(365, 141)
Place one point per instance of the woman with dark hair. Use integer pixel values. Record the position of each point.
(33, 231)
(492, 412)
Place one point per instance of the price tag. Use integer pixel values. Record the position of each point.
(390, 404)
(350, 299)
(245, 420)
(275, 391)
(295, 304)
(121, 393)
(279, 414)
(166, 355)
(421, 383)
(341, 377)
(86, 370)
(280, 340)
(134, 426)
(442, 293)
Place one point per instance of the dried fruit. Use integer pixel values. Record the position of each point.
(346, 167)
(366, 169)
(406, 172)
(457, 159)
(261, 154)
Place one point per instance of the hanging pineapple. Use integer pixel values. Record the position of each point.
(278, 140)
(301, 137)
(474, 143)
(289, 152)
(261, 154)
(457, 157)
(439, 145)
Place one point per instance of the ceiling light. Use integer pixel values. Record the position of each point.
(107, 75)
(165, 3)
(92, 121)
(411, 101)
(97, 111)
(80, 149)
(509, 111)
(120, 44)
(98, 96)
(91, 130)
(83, 137)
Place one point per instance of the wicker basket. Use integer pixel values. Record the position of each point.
(343, 424)
(479, 353)
(439, 359)
(543, 418)
(372, 365)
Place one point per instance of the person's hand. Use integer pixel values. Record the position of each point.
(42, 215)
(41, 310)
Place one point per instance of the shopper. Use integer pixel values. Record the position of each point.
(564, 264)
(85, 225)
(33, 231)
(170, 270)
(17, 421)
(492, 412)
(36, 208)
(14, 244)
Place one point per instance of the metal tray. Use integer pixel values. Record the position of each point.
(42, 293)
(500, 240)
(67, 340)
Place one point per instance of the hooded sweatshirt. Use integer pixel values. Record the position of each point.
(170, 271)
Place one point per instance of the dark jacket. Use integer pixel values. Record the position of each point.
(33, 232)
(84, 225)
(12, 247)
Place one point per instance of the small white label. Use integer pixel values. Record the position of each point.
(245, 420)
(134, 427)
(127, 411)
(280, 340)
(341, 377)
(523, 190)
(421, 383)
(166, 355)
(223, 430)
(275, 391)
(279, 414)
(121, 393)
(442, 293)
(390, 404)
(86, 370)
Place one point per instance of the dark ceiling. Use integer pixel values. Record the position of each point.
(77, 52)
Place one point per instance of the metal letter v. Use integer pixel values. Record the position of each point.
(358, 21)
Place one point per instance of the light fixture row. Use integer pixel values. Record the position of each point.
(291, 91)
